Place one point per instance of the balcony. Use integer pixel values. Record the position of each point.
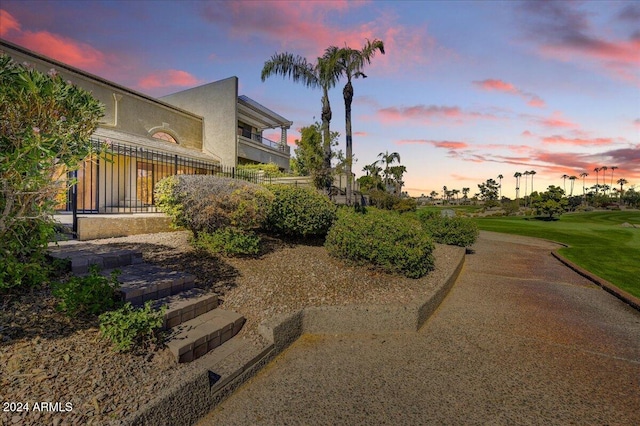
(254, 147)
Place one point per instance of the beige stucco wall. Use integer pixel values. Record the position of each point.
(217, 103)
(125, 110)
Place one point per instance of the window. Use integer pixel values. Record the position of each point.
(164, 136)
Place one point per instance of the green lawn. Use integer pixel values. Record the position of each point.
(597, 241)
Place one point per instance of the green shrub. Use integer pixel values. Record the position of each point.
(204, 203)
(45, 126)
(129, 328)
(91, 294)
(404, 205)
(456, 231)
(386, 201)
(300, 212)
(387, 240)
(229, 242)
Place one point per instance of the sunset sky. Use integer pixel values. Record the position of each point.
(466, 90)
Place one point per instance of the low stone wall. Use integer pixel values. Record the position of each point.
(91, 227)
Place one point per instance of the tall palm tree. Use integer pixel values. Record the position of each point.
(517, 176)
(572, 179)
(531, 173)
(526, 181)
(564, 182)
(350, 63)
(465, 193)
(324, 73)
(456, 192)
(612, 169)
(500, 177)
(597, 184)
(604, 169)
(583, 175)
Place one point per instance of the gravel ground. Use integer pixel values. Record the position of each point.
(46, 358)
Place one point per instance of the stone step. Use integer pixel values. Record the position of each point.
(142, 282)
(196, 337)
(81, 256)
(185, 306)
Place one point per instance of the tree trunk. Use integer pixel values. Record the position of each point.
(348, 98)
(326, 119)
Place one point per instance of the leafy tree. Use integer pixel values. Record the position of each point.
(351, 62)
(551, 202)
(324, 73)
(388, 159)
(45, 128)
(632, 197)
(489, 192)
(309, 155)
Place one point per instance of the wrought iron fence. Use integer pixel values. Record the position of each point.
(120, 178)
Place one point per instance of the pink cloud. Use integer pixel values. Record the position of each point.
(430, 114)
(566, 33)
(168, 78)
(361, 134)
(556, 139)
(309, 27)
(8, 23)
(502, 86)
(556, 120)
(499, 85)
(437, 144)
(63, 49)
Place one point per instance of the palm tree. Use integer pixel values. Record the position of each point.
(324, 73)
(517, 176)
(604, 176)
(388, 159)
(532, 172)
(596, 170)
(526, 181)
(444, 192)
(500, 177)
(350, 62)
(433, 195)
(612, 169)
(583, 175)
(465, 193)
(622, 182)
(564, 182)
(572, 179)
(456, 192)
(397, 172)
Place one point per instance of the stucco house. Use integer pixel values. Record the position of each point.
(205, 129)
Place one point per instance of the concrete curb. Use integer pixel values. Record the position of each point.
(219, 373)
(628, 298)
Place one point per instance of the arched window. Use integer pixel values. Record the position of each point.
(164, 136)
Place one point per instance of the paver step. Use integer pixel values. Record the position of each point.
(143, 282)
(185, 306)
(81, 256)
(196, 337)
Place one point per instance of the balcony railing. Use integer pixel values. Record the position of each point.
(257, 138)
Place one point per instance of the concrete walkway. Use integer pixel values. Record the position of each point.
(521, 339)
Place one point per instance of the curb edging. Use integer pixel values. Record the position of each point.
(228, 367)
(624, 296)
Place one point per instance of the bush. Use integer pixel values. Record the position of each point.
(128, 328)
(45, 128)
(384, 200)
(229, 242)
(386, 240)
(204, 203)
(91, 294)
(456, 231)
(300, 212)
